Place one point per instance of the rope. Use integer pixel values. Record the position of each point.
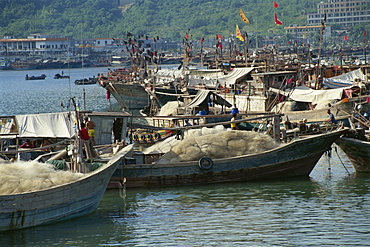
(341, 160)
(328, 154)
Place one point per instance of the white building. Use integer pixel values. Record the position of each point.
(35, 44)
(344, 12)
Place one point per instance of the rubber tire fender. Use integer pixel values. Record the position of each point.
(205, 163)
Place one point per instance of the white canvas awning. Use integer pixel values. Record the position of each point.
(202, 95)
(48, 125)
(345, 80)
(305, 94)
(233, 76)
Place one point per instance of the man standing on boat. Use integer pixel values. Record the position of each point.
(90, 125)
(234, 126)
(84, 134)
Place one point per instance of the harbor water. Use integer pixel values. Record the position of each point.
(21, 96)
(331, 207)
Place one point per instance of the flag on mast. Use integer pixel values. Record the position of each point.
(239, 34)
(275, 4)
(244, 18)
(277, 21)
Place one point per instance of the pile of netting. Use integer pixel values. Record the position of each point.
(21, 177)
(215, 143)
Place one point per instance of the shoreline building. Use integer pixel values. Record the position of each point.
(301, 34)
(35, 44)
(343, 12)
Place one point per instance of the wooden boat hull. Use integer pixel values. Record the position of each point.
(58, 203)
(134, 95)
(41, 77)
(129, 96)
(297, 158)
(358, 152)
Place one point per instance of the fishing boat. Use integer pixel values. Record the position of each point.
(85, 81)
(61, 76)
(358, 152)
(40, 77)
(356, 142)
(295, 158)
(58, 203)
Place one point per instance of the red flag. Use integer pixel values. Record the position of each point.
(345, 37)
(202, 39)
(275, 5)
(277, 21)
(219, 36)
(187, 36)
(365, 33)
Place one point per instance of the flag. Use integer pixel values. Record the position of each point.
(345, 37)
(365, 33)
(218, 36)
(202, 39)
(277, 21)
(275, 5)
(244, 18)
(186, 36)
(239, 34)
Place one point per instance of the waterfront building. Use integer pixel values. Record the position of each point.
(301, 34)
(344, 12)
(35, 44)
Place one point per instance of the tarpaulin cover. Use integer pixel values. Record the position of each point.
(202, 95)
(345, 80)
(50, 125)
(234, 75)
(305, 94)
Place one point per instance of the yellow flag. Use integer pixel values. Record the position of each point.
(244, 18)
(239, 34)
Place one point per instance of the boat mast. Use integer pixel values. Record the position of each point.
(318, 69)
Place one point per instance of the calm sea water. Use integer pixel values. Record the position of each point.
(20, 96)
(329, 208)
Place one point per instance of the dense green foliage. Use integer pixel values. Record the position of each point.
(90, 18)
(164, 18)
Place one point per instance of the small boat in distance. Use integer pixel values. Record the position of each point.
(61, 76)
(41, 77)
(91, 80)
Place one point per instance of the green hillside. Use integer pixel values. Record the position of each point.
(164, 18)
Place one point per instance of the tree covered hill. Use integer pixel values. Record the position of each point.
(164, 18)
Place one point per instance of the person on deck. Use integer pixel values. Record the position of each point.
(90, 125)
(234, 126)
(84, 134)
(44, 144)
(187, 122)
(27, 144)
(331, 118)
